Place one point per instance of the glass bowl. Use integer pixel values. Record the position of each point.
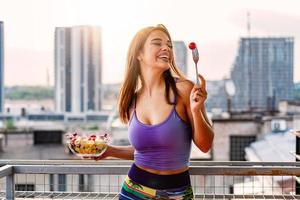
(87, 145)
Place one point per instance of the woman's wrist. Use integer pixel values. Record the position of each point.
(110, 151)
(196, 112)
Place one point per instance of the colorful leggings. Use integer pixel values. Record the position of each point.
(140, 184)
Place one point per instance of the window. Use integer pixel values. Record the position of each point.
(51, 182)
(62, 182)
(81, 183)
(238, 145)
(24, 187)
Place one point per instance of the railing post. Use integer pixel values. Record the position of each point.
(10, 187)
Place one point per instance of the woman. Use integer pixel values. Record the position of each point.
(165, 112)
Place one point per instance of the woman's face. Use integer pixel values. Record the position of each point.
(157, 51)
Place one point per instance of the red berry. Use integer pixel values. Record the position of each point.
(92, 137)
(192, 45)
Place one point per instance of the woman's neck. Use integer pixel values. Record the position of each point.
(152, 82)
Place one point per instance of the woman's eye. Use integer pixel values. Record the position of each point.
(157, 44)
(160, 44)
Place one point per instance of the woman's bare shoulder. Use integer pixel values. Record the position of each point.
(184, 87)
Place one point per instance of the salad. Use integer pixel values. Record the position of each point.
(92, 145)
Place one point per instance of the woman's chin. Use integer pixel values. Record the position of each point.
(164, 66)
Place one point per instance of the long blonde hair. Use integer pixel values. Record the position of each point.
(133, 77)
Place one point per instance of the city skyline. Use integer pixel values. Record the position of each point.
(260, 63)
(78, 69)
(216, 27)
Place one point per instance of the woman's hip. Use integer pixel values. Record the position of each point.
(140, 184)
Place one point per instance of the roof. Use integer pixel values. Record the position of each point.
(274, 147)
(20, 146)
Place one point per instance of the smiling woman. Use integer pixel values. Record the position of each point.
(165, 112)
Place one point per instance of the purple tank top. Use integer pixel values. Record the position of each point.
(163, 146)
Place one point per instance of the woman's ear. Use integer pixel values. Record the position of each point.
(140, 57)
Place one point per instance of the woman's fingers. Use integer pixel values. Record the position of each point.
(92, 158)
(195, 88)
(199, 91)
(203, 82)
(97, 158)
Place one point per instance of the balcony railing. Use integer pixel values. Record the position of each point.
(80, 179)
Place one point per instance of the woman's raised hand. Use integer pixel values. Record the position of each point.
(198, 95)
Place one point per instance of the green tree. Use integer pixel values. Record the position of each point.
(28, 93)
(9, 124)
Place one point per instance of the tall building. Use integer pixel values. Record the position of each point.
(263, 73)
(78, 64)
(180, 51)
(1, 66)
(217, 98)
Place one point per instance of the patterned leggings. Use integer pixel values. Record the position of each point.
(140, 184)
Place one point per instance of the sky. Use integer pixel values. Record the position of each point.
(214, 25)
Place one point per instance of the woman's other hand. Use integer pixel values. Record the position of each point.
(105, 154)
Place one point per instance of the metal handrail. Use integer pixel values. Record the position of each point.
(123, 169)
(117, 167)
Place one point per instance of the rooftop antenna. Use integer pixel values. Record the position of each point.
(248, 24)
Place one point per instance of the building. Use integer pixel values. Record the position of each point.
(289, 107)
(1, 66)
(217, 99)
(78, 69)
(297, 91)
(263, 73)
(274, 147)
(110, 93)
(180, 51)
(239, 131)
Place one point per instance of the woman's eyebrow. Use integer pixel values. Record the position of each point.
(156, 39)
(159, 39)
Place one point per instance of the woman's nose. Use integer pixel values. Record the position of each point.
(165, 47)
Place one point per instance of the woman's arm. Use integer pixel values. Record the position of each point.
(122, 152)
(193, 98)
(202, 131)
(203, 111)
